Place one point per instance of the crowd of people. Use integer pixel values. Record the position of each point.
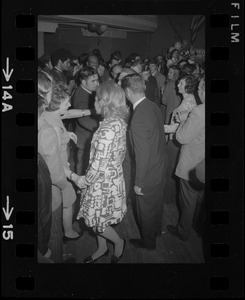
(118, 133)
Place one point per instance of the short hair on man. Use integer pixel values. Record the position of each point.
(135, 83)
(153, 61)
(60, 54)
(117, 55)
(86, 72)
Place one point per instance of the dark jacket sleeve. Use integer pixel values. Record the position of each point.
(82, 101)
(141, 150)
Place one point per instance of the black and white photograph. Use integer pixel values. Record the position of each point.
(121, 131)
(119, 179)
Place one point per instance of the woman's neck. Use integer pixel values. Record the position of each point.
(57, 113)
(185, 95)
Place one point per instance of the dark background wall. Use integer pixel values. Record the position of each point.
(170, 29)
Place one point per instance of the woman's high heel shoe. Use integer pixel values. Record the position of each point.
(90, 259)
(115, 259)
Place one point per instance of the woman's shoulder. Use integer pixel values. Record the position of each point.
(53, 119)
(46, 127)
(113, 123)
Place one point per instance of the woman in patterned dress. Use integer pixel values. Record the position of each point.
(104, 202)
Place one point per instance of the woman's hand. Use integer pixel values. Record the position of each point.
(72, 136)
(81, 182)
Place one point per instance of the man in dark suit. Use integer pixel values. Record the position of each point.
(61, 61)
(84, 98)
(149, 149)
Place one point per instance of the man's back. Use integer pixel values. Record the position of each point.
(149, 143)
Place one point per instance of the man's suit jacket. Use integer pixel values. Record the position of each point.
(191, 134)
(84, 126)
(160, 80)
(170, 99)
(151, 91)
(149, 145)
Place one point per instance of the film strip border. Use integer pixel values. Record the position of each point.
(224, 156)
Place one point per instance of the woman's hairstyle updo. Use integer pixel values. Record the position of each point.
(60, 93)
(190, 83)
(114, 101)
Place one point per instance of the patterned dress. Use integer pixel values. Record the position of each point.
(104, 202)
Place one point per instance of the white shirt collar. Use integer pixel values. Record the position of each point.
(86, 90)
(138, 102)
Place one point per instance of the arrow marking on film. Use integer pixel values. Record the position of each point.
(6, 73)
(6, 211)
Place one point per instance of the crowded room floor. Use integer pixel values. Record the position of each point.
(169, 249)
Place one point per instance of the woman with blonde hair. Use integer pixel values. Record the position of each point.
(104, 202)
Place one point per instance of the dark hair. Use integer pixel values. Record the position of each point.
(190, 83)
(145, 67)
(134, 82)
(172, 52)
(85, 73)
(188, 69)
(60, 54)
(97, 53)
(130, 59)
(82, 58)
(117, 55)
(43, 60)
(153, 61)
(59, 93)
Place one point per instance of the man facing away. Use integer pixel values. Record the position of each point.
(147, 138)
(84, 98)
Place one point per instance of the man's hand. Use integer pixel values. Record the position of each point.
(137, 191)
